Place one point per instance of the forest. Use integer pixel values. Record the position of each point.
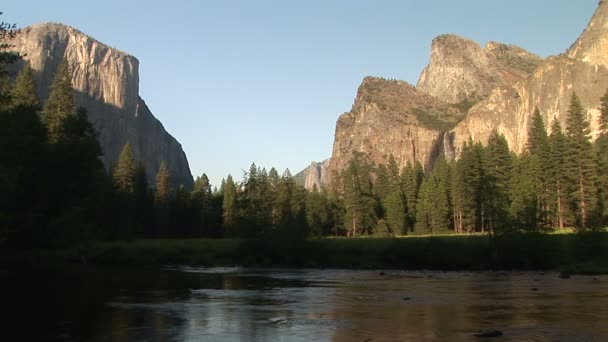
(57, 193)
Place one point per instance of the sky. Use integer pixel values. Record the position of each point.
(264, 81)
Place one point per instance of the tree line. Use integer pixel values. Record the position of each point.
(56, 191)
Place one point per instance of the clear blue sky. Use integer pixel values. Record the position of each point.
(264, 81)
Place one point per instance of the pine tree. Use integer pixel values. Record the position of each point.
(162, 197)
(496, 183)
(411, 179)
(61, 102)
(202, 201)
(524, 207)
(424, 209)
(601, 154)
(559, 187)
(470, 188)
(229, 205)
(24, 92)
(604, 113)
(360, 204)
(581, 168)
(124, 173)
(539, 150)
(143, 201)
(317, 215)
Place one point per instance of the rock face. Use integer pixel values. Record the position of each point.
(460, 70)
(107, 85)
(315, 175)
(582, 69)
(393, 117)
(466, 92)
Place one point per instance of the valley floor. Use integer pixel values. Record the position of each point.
(569, 253)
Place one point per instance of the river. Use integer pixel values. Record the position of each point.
(238, 304)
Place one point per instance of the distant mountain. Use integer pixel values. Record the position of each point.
(466, 92)
(107, 84)
(313, 175)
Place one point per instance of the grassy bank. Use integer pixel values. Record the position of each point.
(573, 253)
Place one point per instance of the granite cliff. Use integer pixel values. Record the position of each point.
(466, 92)
(313, 175)
(106, 82)
(583, 69)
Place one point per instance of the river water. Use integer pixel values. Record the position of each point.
(237, 304)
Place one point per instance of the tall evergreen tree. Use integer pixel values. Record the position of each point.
(162, 198)
(144, 205)
(124, 173)
(539, 150)
(581, 168)
(411, 179)
(601, 154)
(24, 92)
(559, 187)
(202, 201)
(604, 113)
(497, 181)
(229, 205)
(61, 102)
(359, 201)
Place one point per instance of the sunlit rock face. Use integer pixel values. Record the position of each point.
(392, 117)
(459, 69)
(466, 92)
(106, 81)
(583, 70)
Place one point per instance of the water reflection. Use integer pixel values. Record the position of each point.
(198, 304)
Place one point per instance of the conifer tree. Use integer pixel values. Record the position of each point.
(202, 201)
(604, 113)
(496, 182)
(162, 198)
(539, 150)
(143, 201)
(24, 92)
(581, 168)
(61, 102)
(559, 187)
(229, 205)
(360, 204)
(601, 154)
(411, 179)
(524, 206)
(317, 215)
(124, 173)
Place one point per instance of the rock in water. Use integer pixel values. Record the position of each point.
(106, 82)
(488, 333)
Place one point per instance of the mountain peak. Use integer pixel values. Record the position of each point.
(592, 45)
(460, 70)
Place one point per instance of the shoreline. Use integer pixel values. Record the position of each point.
(585, 253)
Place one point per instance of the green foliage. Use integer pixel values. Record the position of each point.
(60, 104)
(360, 204)
(559, 186)
(162, 198)
(124, 173)
(229, 206)
(442, 118)
(580, 164)
(24, 92)
(7, 33)
(604, 113)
